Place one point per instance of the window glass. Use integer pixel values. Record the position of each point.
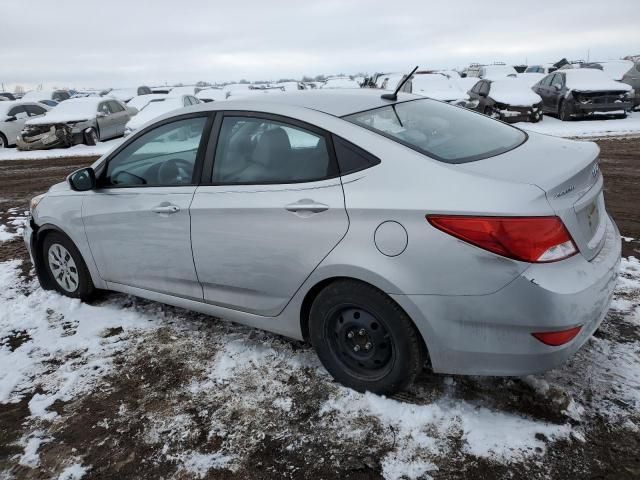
(557, 80)
(34, 110)
(255, 150)
(104, 108)
(546, 81)
(476, 87)
(484, 88)
(352, 158)
(18, 112)
(441, 131)
(164, 156)
(115, 107)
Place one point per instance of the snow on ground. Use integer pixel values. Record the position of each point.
(240, 390)
(76, 151)
(607, 127)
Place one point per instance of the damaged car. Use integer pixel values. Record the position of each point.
(78, 120)
(583, 92)
(510, 100)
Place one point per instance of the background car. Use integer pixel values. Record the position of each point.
(126, 94)
(55, 95)
(13, 115)
(436, 86)
(48, 103)
(544, 68)
(497, 71)
(141, 101)
(625, 71)
(509, 99)
(340, 82)
(7, 96)
(581, 92)
(79, 120)
(207, 95)
(157, 107)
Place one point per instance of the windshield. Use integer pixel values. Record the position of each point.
(441, 131)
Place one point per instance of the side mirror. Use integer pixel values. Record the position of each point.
(82, 180)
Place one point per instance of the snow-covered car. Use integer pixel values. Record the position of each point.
(340, 82)
(508, 99)
(49, 103)
(497, 71)
(7, 96)
(625, 71)
(126, 94)
(38, 95)
(389, 81)
(78, 120)
(543, 68)
(436, 86)
(141, 101)
(157, 107)
(13, 115)
(211, 95)
(581, 92)
(291, 86)
(184, 90)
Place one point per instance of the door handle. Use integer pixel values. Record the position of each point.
(166, 209)
(306, 206)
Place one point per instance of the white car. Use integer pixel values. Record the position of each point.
(126, 94)
(291, 86)
(39, 95)
(13, 115)
(211, 95)
(497, 71)
(141, 101)
(340, 82)
(436, 86)
(157, 107)
(544, 68)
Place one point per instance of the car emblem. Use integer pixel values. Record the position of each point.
(564, 192)
(595, 171)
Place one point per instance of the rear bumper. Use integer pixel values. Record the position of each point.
(491, 334)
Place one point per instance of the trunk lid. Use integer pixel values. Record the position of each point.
(568, 173)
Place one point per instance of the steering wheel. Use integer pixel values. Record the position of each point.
(175, 171)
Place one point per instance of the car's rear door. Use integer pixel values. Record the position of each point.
(273, 208)
(137, 220)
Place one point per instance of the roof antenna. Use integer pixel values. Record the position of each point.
(394, 96)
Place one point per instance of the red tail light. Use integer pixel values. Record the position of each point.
(529, 239)
(556, 339)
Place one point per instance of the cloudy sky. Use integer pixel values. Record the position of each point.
(88, 43)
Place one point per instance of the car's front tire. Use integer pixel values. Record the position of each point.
(364, 339)
(67, 271)
(3, 141)
(91, 137)
(564, 112)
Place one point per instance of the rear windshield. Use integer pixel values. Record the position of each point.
(441, 131)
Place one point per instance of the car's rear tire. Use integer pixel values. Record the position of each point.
(563, 112)
(68, 273)
(3, 141)
(91, 137)
(364, 339)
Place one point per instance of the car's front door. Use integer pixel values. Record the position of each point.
(273, 210)
(542, 89)
(105, 121)
(555, 92)
(120, 117)
(14, 127)
(137, 220)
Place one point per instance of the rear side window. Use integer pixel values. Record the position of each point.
(256, 150)
(441, 131)
(352, 158)
(34, 110)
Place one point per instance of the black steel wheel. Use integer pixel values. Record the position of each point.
(364, 339)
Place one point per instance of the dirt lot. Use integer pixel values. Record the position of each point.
(157, 392)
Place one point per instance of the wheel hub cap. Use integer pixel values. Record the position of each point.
(63, 267)
(361, 341)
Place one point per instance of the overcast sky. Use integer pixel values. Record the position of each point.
(86, 43)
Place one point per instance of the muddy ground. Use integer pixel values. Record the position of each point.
(116, 427)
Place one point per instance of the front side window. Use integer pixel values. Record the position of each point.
(18, 112)
(34, 110)
(164, 156)
(104, 108)
(255, 150)
(115, 107)
(484, 88)
(557, 80)
(441, 131)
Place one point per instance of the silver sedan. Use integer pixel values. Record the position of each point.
(387, 233)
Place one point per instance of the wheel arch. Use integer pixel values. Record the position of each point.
(312, 293)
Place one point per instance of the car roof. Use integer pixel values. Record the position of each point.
(333, 102)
